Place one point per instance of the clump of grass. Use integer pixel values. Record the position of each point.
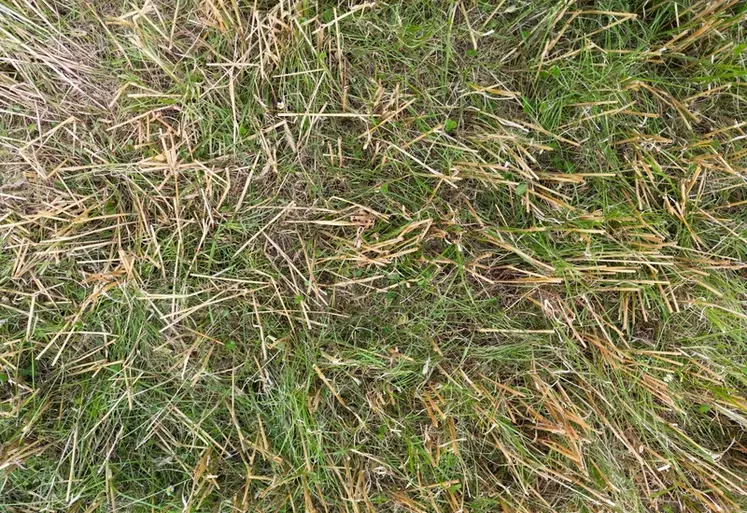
(373, 256)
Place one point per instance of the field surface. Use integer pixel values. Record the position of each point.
(449, 256)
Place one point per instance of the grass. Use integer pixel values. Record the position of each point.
(424, 255)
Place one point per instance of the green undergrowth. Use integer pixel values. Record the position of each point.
(427, 255)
